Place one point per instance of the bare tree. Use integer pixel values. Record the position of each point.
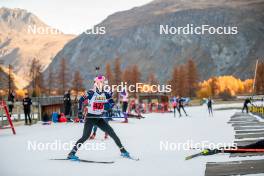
(63, 76)
(192, 78)
(50, 80)
(109, 74)
(151, 79)
(174, 82)
(117, 71)
(77, 82)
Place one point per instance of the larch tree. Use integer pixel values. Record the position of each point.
(192, 78)
(50, 80)
(213, 86)
(77, 82)
(175, 81)
(151, 79)
(117, 72)
(109, 74)
(182, 84)
(63, 76)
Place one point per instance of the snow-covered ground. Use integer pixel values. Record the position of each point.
(142, 138)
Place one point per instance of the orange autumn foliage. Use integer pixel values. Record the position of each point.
(217, 85)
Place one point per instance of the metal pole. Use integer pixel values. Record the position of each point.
(256, 69)
(9, 79)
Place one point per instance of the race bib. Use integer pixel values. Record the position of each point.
(98, 106)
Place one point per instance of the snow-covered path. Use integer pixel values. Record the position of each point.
(142, 138)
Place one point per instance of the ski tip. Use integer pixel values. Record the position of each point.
(132, 158)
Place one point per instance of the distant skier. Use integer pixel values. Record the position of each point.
(181, 105)
(96, 97)
(246, 102)
(124, 99)
(175, 105)
(210, 106)
(27, 108)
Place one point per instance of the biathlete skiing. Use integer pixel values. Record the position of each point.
(124, 99)
(96, 98)
(175, 105)
(107, 113)
(181, 101)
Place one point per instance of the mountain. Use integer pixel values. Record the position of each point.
(134, 36)
(23, 36)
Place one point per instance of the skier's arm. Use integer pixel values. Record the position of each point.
(110, 99)
(86, 97)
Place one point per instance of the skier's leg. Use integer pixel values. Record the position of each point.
(184, 110)
(26, 120)
(94, 129)
(174, 111)
(88, 125)
(104, 126)
(211, 110)
(243, 109)
(107, 121)
(124, 109)
(29, 117)
(94, 132)
(179, 110)
(247, 109)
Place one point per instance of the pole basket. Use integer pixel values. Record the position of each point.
(4, 106)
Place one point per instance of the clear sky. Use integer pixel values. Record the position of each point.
(72, 16)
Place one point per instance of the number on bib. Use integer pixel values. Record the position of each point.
(98, 106)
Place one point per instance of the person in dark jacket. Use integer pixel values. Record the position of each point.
(27, 108)
(67, 104)
(210, 106)
(246, 102)
(11, 101)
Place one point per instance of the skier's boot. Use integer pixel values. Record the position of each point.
(72, 156)
(92, 136)
(124, 153)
